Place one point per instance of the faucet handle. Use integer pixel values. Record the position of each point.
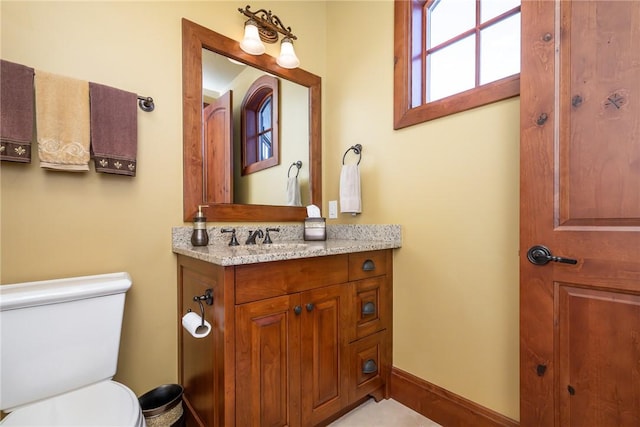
(267, 238)
(251, 240)
(234, 240)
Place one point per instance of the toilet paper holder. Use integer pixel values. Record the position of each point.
(207, 297)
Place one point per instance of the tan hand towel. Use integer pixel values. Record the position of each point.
(62, 122)
(114, 129)
(16, 112)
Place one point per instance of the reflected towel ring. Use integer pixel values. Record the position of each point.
(297, 164)
(356, 149)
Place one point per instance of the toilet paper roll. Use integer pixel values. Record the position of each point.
(191, 322)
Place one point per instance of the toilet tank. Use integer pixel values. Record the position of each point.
(58, 335)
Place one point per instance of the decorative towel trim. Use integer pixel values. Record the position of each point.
(114, 165)
(15, 151)
(71, 155)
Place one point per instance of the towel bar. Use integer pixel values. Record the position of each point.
(146, 103)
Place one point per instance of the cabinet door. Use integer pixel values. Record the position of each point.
(324, 358)
(268, 362)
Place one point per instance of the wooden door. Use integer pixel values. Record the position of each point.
(324, 358)
(217, 119)
(268, 362)
(580, 198)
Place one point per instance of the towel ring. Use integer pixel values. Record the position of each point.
(297, 164)
(356, 149)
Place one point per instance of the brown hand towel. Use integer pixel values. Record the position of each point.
(16, 112)
(114, 129)
(62, 122)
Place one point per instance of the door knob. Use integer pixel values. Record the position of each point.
(541, 255)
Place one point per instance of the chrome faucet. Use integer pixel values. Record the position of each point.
(251, 240)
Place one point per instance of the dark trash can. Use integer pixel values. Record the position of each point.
(162, 406)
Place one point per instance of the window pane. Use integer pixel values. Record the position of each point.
(500, 50)
(449, 18)
(452, 69)
(265, 115)
(492, 8)
(265, 146)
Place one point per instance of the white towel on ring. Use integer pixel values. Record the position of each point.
(293, 192)
(350, 199)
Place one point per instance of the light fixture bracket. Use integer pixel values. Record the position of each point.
(269, 25)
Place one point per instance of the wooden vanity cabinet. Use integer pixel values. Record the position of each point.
(302, 339)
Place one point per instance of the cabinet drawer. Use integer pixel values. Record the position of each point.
(368, 364)
(370, 306)
(367, 264)
(265, 280)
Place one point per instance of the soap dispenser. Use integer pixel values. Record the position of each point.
(200, 237)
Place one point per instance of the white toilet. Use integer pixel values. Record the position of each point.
(59, 351)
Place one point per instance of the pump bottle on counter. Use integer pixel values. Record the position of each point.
(200, 237)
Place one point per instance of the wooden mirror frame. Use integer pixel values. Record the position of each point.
(195, 38)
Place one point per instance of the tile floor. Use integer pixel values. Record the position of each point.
(386, 413)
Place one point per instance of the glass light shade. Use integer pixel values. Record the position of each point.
(251, 42)
(287, 58)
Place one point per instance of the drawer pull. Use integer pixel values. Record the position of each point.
(369, 367)
(368, 309)
(368, 265)
(297, 309)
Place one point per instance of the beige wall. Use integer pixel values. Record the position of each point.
(63, 224)
(452, 184)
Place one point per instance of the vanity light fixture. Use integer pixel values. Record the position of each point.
(251, 42)
(263, 26)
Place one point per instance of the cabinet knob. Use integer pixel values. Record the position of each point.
(369, 367)
(368, 265)
(309, 306)
(368, 309)
(297, 309)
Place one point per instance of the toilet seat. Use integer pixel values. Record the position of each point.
(106, 403)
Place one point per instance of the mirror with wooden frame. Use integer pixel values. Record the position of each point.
(208, 171)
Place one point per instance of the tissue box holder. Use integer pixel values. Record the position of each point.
(315, 229)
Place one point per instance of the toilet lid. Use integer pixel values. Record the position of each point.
(107, 403)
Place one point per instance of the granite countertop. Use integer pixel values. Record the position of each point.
(287, 244)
